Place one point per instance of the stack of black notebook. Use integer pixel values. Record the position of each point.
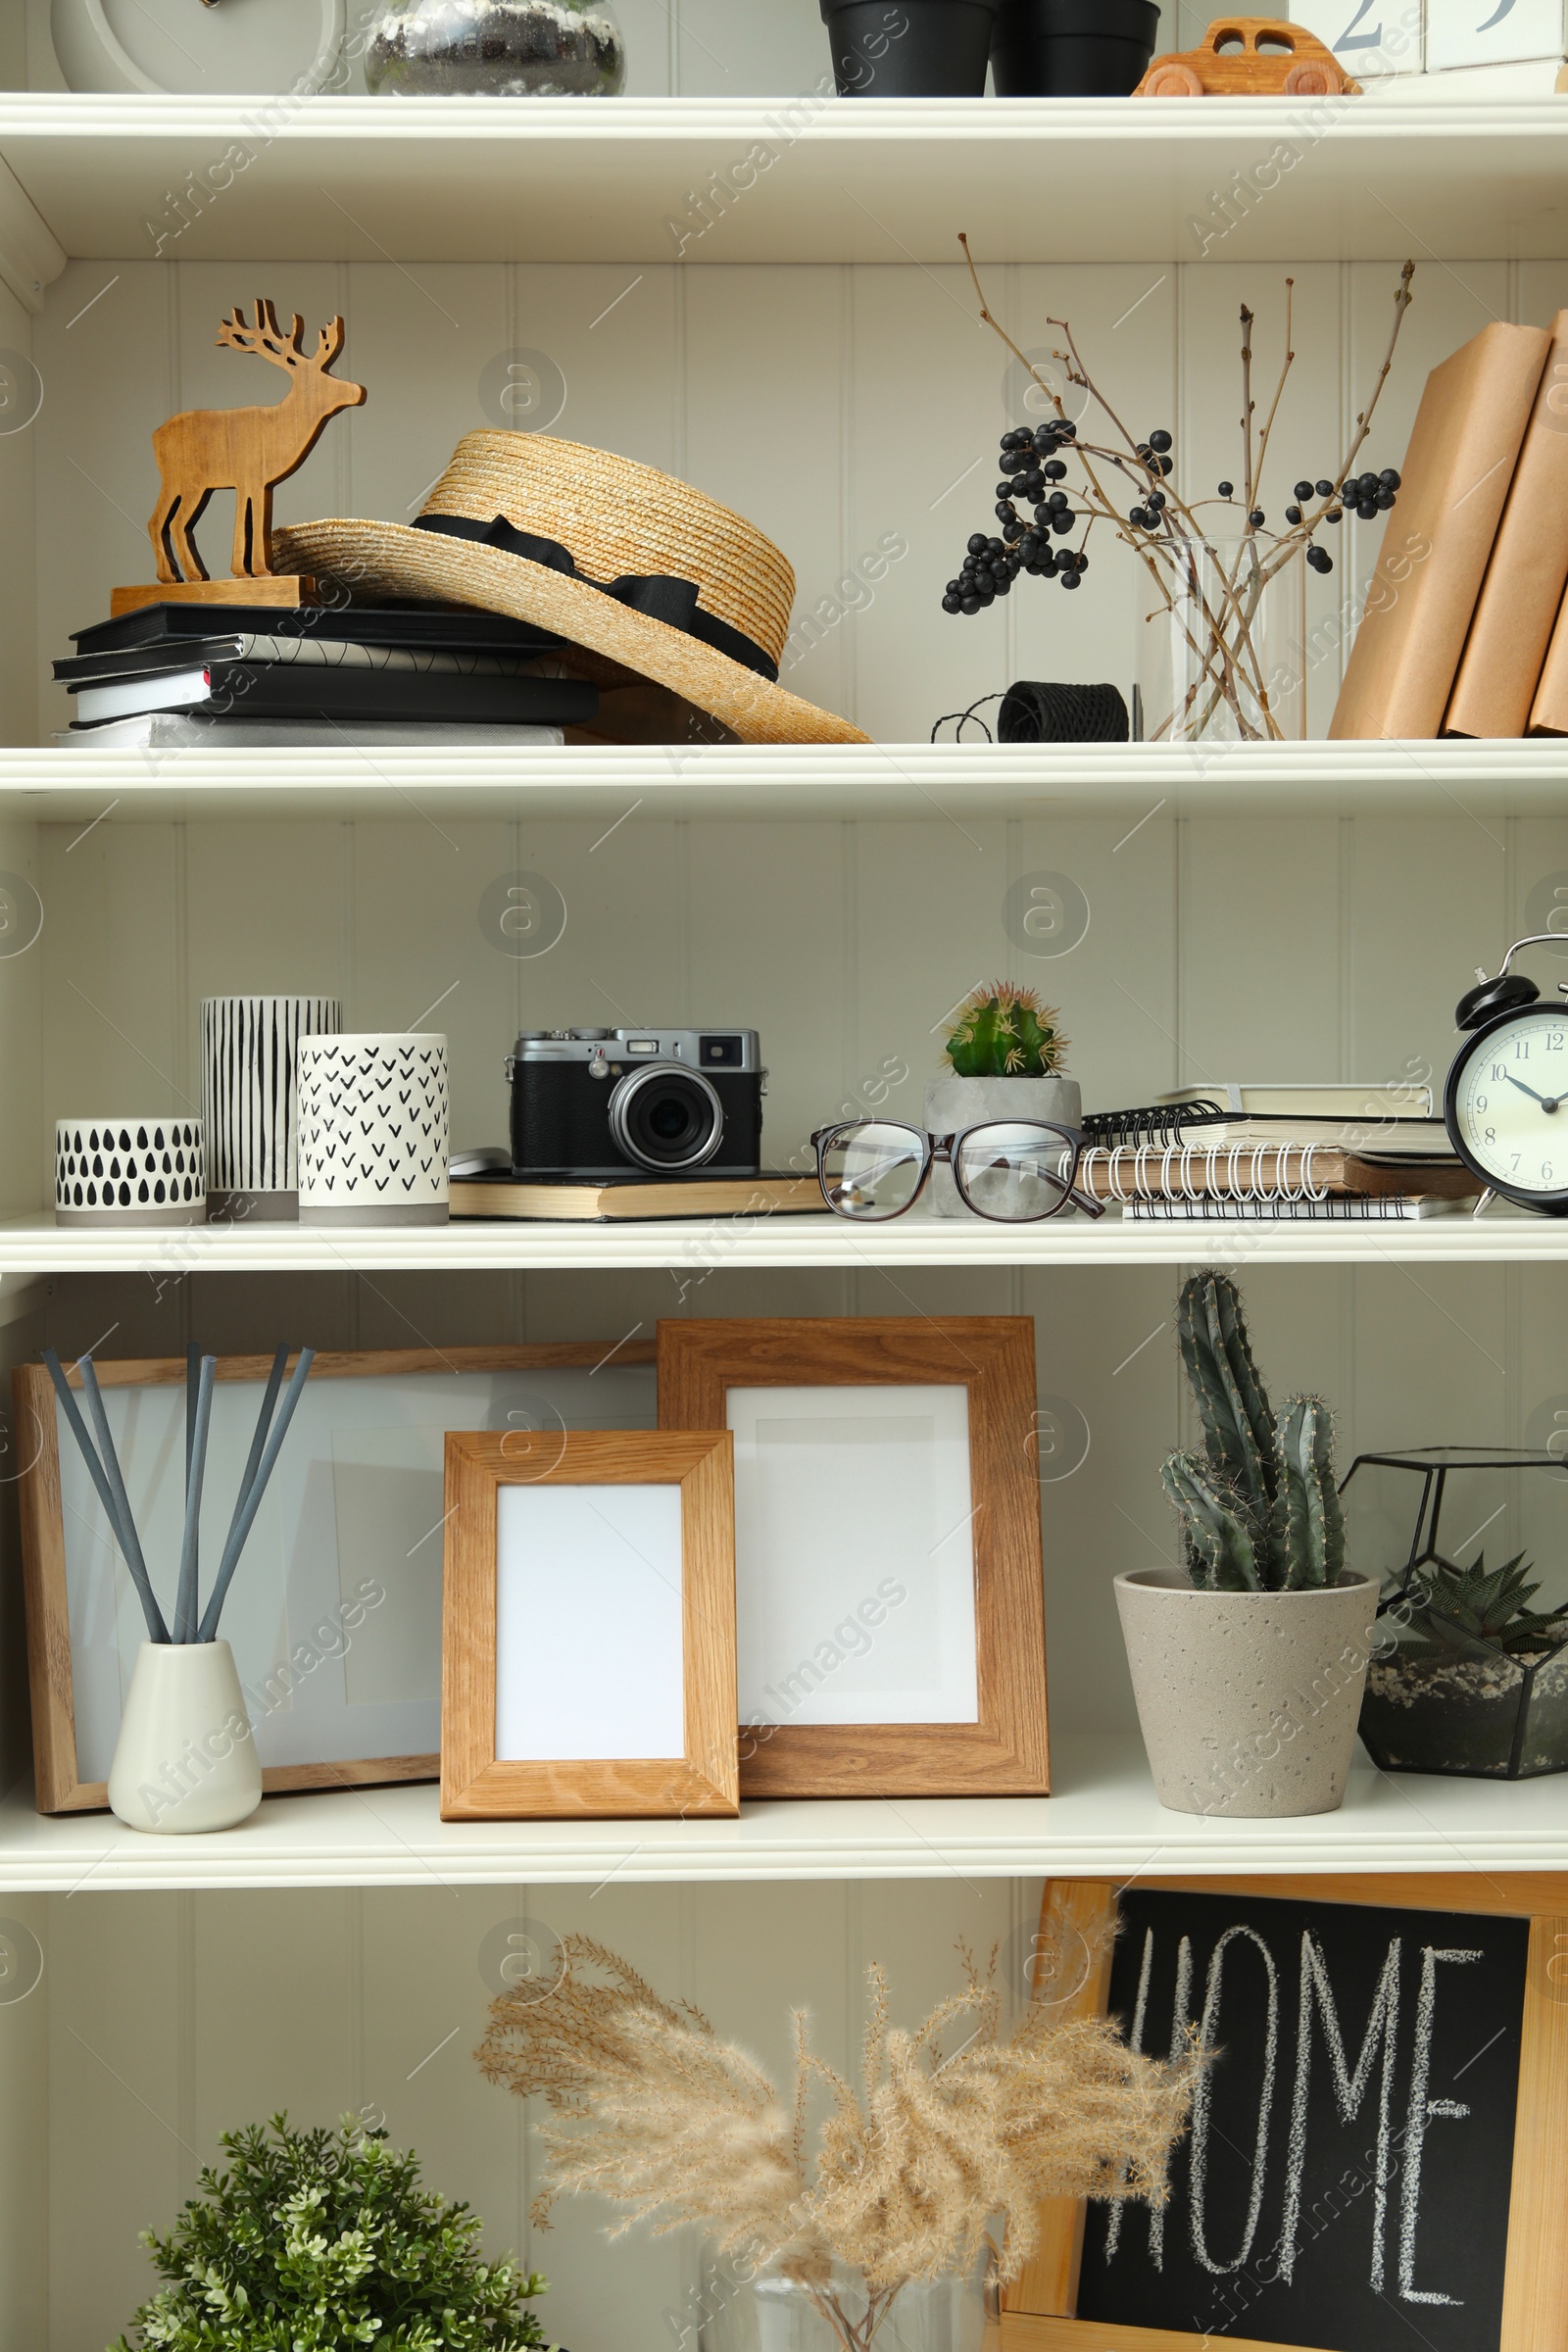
(184, 673)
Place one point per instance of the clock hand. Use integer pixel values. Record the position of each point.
(1546, 1101)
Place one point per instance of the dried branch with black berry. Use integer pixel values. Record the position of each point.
(1209, 580)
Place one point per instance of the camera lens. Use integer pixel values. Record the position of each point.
(665, 1117)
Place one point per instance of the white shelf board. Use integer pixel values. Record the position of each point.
(856, 180)
(34, 1245)
(1103, 1820)
(935, 782)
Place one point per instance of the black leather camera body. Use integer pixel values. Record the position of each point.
(672, 1103)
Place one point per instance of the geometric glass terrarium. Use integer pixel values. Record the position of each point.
(1468, 1676)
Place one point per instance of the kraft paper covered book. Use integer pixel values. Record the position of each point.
(1456, 473)
(1517, 610)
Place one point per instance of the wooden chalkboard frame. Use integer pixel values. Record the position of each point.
(1037, 2309)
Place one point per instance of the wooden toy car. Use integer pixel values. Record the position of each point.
(1231, 60)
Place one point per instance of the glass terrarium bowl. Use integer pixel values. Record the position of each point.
(496, 49)
(1441, 1698)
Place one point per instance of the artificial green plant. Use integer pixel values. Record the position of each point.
(315, 2241)
(1458, 1607)
(1259, 1509)
(1003, 1031)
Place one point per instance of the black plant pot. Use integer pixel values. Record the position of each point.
(909, 48)
(1072, 48)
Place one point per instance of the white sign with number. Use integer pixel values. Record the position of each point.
(1492, 32)
(1370, 38)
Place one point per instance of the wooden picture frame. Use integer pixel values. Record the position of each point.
(477, 1784)
(1037, 2305)
(1003, 1751)
(59, 1786)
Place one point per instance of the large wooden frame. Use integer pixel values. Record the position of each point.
(1006, 1751)
(57, 1788)
(476, 1785)
(1036, 2317)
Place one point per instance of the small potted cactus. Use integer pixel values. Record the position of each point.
(1249, 1661)
(1004, 1058)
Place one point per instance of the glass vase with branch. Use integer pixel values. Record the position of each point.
(1210, 563)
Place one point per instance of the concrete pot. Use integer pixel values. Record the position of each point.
(1247, 1701)
(952, 1104)
(185, 1760)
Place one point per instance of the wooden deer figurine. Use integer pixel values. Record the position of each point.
(245, 450)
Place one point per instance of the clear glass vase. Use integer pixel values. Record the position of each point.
(1220, 650)
(496, 49)
(770, 2312)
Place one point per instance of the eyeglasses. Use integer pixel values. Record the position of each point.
(1013, 1172)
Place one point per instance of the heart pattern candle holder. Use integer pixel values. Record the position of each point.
(373, 1124)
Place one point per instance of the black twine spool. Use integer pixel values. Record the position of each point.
(1046, 713)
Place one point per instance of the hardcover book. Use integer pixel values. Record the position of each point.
(1456, 472)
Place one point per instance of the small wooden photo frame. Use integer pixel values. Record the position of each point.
(335, 1616)
(588, 1627)
(890, 1610)
(1379, 2154)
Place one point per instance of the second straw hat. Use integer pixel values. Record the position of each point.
(617, 557)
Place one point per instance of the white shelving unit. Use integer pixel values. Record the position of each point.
(1108, 180)
(734, 783)
(799, 1242)
(794, 346)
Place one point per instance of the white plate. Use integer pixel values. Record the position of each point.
(181, 48)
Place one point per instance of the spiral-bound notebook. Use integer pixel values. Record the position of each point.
(1198, 1159)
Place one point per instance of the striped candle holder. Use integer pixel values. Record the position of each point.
(250, 1064)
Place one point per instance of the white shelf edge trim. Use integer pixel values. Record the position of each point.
(36, 1246)
(811, 114)
(1104, 1823)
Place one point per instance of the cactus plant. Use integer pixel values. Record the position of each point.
(1006, 1032)
(1262, 1512)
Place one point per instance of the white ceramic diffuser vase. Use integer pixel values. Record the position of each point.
(250, 1047)
(374, 1122)
(130, 1173)
(185, 1759)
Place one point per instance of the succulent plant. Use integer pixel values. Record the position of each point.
(1261, 1509)
(1484, 1604)
(1006, 1032)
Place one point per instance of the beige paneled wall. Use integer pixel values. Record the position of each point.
(177, 2017)
(852, 412)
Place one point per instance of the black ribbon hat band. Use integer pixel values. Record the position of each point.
(656, 596)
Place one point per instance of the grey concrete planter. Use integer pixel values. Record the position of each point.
(952, 1104)
(1248, 1700)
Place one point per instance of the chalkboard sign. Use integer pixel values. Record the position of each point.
(1378, 2153)
(1350, 2154)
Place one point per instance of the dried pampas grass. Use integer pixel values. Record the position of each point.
(651, 2109)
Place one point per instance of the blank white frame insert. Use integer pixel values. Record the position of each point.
(589, 1657)
(855, 1555)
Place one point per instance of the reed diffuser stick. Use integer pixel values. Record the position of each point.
(198, 1426)
(245, 1515)
(263, 1423)
(125, 1533)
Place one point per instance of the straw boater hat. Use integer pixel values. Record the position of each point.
(622, 560)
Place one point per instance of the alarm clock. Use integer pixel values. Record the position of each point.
(1505, 1104)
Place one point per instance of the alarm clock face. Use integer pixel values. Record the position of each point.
(1507, 1106)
